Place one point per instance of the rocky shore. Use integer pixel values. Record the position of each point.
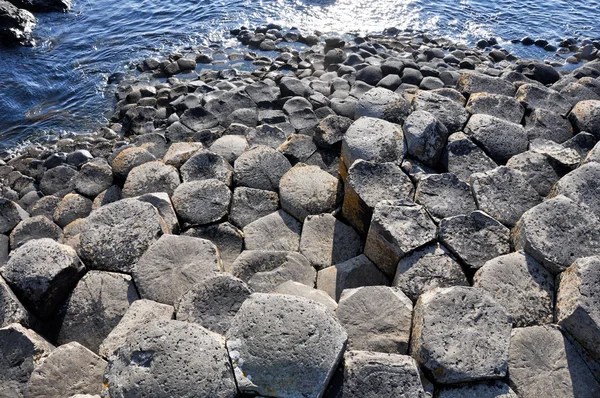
(17, 21)
(385, 216)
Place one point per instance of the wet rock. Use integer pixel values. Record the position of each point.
(537, 169)
(411, 76)
(473, 82)
(128, 159)
(535, 96)
(17, 24)
(205, 165)
(548, 125)
(293, 288)
(139, 314)
(499, 138)
(543, 362)
(172, 265)
(180, 152)
(70, 208)
(116, 235)
(521, 285)
(151, 177)
(427, 268)
(397, 228)
(444, 195)
(21, 351)
(69, 369)
(95, 307)
(228, 239)
(538, 70)
(383, 104)
(201, 202)
(542, 230)
(367, 184)
(282, 361)
(372, 139)
(585, 116)
(463, 158)
(58, 180)
(79, 157)
(500, 106)
(425, 137)
(261, 168)
(474, 238)
(577, 303)
(276, 231)
(306, 190)
(496, 389)
(460, 334)
(42, 272)
(374, 374)
(171, 358)
(449, 112)
(376, 318)
(34, 228)
(11, 309)
(330, 131)
(93, 178)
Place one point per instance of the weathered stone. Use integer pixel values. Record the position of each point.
(383, 104)
(34, 228)
(264, 270)
(500, 106)
(543, 362)
(535, 96)
(330, 131)
(93, 178)
(474, 238)
(397, 228)
(425, 137)
(261, 168)
(262, 92)
(180, 152)
(449, 112)
(444, 195)
(172, 265)
(577, 303)
(539, 171)
(460, 334)
(206, 165)
(151, 177)
(11, 214)
(374, 374)
(557, 232)
(42, 272)
(372, 139)
(249, 204)
(276, 231)
(70, 208)
(58, 180)
(111, 195)
(293, 288)
(292, 87)
(69, 369)
(170, 359)
(128, 159)
(581, 185)
(376, 318)
(496, 389)
(138, 315)
(473, 82)
(463, 158)
(45, 207)
(230, 147)
(21, 350)
(271, 353)
(499, 138)
(521, 285)
(116, 235)
(367, 184)
(427, 268)
(213, 302)
(548, 125)
(585, 116)
(228, 239)
(95, 307)
(162, 203)
(11, 309)
(266, 135)
(198, 119)
(371, 74)
(201, 202)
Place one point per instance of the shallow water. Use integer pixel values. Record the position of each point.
(61, 84)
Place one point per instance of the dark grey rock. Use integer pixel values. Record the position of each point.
(371, 74)
(581, 186)
(201, 202)
(444, 195)
(198, 119)
(93, 178)
(267, 135)
(230, 147)
(585, 116)
(206, 165)
(383, 104)
(499, 138)
(292, 87)
(45, 207)
(11, 214)
(496, 389)
(535, 96)
(17, 24)
(11, 309)
(425, 137)
(537, 169)
(179, 153)
(293, 288)
(449, 112)
(330, 131)
(473, 82)
(128, 159)
(500, 106)
(70, 208)
(228, 239)
(249, 204)
(57, 180)
(34, 228)
(463, 158)
(548, 125)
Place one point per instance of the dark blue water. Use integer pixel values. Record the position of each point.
(61, 84)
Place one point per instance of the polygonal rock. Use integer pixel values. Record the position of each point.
(294, 288)
(585, 116)
(473, 82)
(261, 168)
(397, 228)
(330, 131)
(172, 265)
(180, 152)
(198, 119)
(128, 159)
(266, 135)
(11, 214)
(450, 113)
(306, 190)
(276, 231)
(69, 369)
(543, 362)
(495, 389)
(201, 202)
(264, 270)
(536, 96)
(376, 318)
(93, 178)
(139, 314)
(504, 194)
(425, 137)
(213, 302)
(499, 138)
(427, 268)
(111, 195)
(444, 195)
(45, 206)
(21, 350)
(151, 177)
(521, 285)
(95, 307)
(11, 309)
(162, 203)
(70, 208)
(463, 158)
(205, 165)
(460, 334)
(375, 374)
(34, 228)
(250, 204)
(116, 235)
(548, 125)
(42, 272)
(230, 147)
(170, 359)
(326, 241)
(577, 303)
(383, 104)
(372, 139)
(367, 184)
(581, 186)
(500, 106)
(284, 346)
(475, 238)
(539, 171)
(557, 232)
(58, 180)
(228, 239)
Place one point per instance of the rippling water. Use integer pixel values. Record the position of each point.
(61, 84)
